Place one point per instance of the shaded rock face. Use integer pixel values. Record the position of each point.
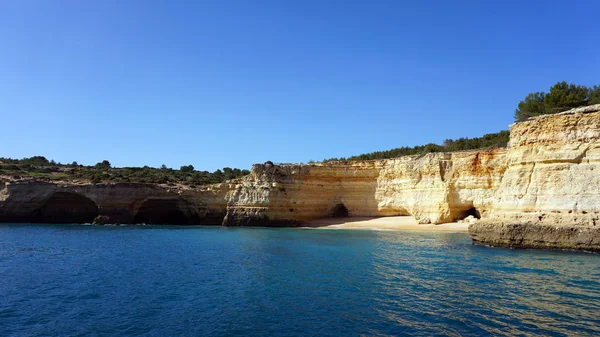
(65, 207)
(42, 202)
(339, 211)
(165, 211)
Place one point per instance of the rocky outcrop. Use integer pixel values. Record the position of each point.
(551, 186)
(45, 202)
(557, 231)
(542, 191)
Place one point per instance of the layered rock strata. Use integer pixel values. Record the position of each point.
(434, 188)
(542, 191)
(550, 192)
(36, 201)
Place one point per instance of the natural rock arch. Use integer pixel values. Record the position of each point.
(164, 212)
(339, 211)
(66, 207)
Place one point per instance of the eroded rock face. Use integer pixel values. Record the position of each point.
(543, 191)
(554, 231)
(435, 188)
(551, 185)
(65, 207)
(43, 202)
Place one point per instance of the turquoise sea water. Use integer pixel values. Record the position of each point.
(72, 280)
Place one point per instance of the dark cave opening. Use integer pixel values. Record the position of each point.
(339, 211)
(474, 212)
(66, 207)
(162, 211)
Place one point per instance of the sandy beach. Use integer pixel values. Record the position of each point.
(385, 223)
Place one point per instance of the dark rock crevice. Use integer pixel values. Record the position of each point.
(473, 212)
(339, 211)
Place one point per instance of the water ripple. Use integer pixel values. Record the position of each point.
(158, 281)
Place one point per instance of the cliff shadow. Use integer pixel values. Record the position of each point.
(329, 221)
(66, 207)
(165, 211)
(339, 211)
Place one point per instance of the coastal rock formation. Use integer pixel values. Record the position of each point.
(551, 186)
(44, 202)
(434, 188)
(542, 191)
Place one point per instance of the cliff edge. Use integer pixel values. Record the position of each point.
(549, 194)
(542, 191)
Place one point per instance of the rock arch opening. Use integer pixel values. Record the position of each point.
(67, 207)
(339, 211)
(163, 212)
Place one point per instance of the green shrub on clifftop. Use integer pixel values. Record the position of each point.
(40, 168)
(562, 97)
(489, 140)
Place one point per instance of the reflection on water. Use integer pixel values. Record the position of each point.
(157, 281)
(487, 291)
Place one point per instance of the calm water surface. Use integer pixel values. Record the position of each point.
(174, 281)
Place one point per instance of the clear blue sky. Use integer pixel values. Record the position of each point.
(231, 83)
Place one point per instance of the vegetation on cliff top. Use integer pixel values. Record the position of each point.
(42, 168)
(489, 140)
(562, 97)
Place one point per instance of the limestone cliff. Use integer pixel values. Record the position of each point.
(542, 191)
(436, 188)
(550, 192)
(37, 201)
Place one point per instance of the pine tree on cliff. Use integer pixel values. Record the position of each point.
(595, 95)
(532, 105)
(562, 96)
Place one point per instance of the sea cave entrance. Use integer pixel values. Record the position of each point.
(474, 212)
(67, 207)
(161, 211)
(339, 211)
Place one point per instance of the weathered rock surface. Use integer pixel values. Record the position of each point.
(551, 185)
(556, 231)
(434, 188)
(542, 191)
(36, 201)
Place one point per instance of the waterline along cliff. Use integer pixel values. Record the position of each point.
(542, 191)
(550, 191)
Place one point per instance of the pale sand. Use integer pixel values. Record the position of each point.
(386, 223)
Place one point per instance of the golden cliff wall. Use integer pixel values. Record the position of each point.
(542, 191)
(550, 192)
(436, 188)
(440, 187)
